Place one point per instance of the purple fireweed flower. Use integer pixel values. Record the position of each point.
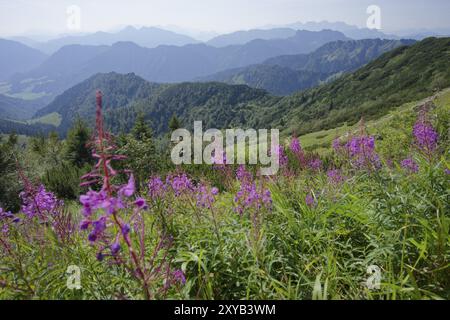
(315, 164)
(156, 187)
(410, 165)
(129, 188)
(92, 201)
(5, 229)
(115, 248)
(295, 146)
(361, 151)
(250, 196)
(334, 176)
(205, 197)
(141, 203)
(7, 215)
(39, 203)
(447, 171)
(310, 201)
(297, 150)
(178, 276)
(425, 137)
(267, 198)
(84, 224)
(243, 175)
(126, 229)
(100, 256)
(181, 184)
(336, 144)
(282, 157)
(99, 228)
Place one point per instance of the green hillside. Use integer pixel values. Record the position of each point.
(403, 75)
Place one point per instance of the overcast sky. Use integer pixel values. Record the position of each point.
(49, 16)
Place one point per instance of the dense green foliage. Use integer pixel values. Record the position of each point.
(9, 187)
(273, 78)
(78, 138)
(8, 126)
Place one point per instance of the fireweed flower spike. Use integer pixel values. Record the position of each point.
(425, 137)
(361, 151)
(36, 201)
(156, 188)
(283, 158)
(335, 177)
(297, 150)
(310, 201)
(178, 276)
(180, 184)
(250, 195)
(315, 164)
(410, 165)
(206, 196)
(110, 199)
(128, 190)
(242, 175)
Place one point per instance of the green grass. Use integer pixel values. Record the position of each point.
(27, 93)
(53, 118)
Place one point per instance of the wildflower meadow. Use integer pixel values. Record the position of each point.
(375, 199)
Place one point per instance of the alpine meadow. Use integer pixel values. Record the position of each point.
(94, 207)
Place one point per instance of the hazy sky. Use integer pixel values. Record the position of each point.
(49, 16)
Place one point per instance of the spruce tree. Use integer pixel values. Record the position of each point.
(141, 129)
(77, 151)
(174, 123)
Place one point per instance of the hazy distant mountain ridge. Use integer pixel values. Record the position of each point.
(73, 64)
(149, 37)
(284, 75)
(16, 57)
(242, 37)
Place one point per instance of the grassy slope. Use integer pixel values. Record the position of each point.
(53, 118)
(320, 141)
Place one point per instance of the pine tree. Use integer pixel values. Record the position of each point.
(12, 139)
(77, 151)
(141, 129)
(174, 123)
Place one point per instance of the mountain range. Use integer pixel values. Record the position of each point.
(149, 37)
(287, 74)
(75, 63)
(404, 74)
(16, 57)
